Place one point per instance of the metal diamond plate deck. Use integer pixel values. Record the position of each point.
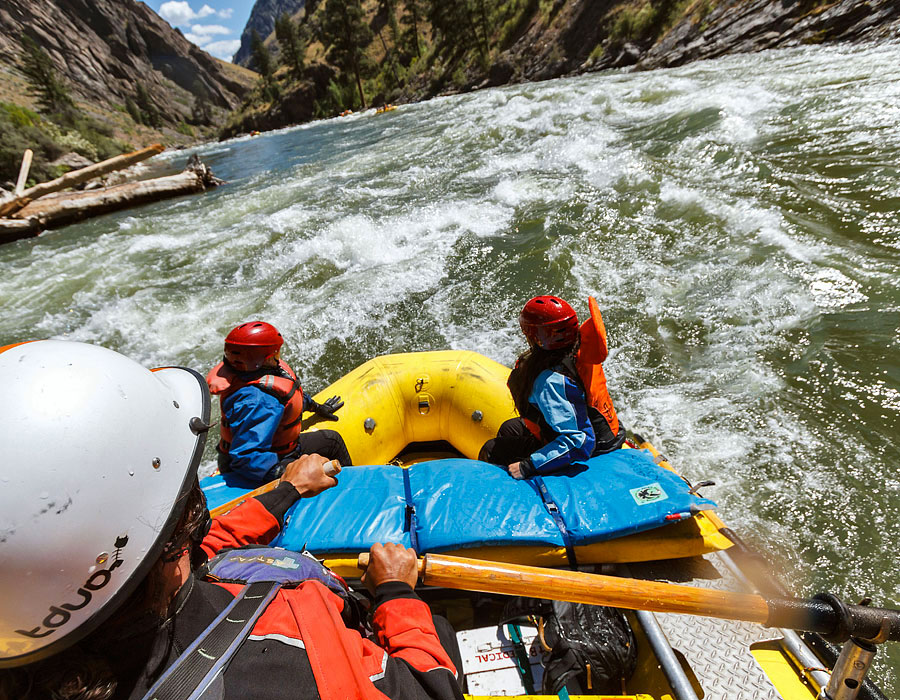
(719, 650)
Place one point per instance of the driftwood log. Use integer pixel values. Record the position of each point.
(64, 209)
(23, 172)
(14, 229)
(76, 177)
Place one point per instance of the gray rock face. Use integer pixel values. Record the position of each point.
(262, 20)
(564, 40)
(104, 48)
(72, 161)
(741, 26)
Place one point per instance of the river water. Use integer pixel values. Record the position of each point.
(736, 219)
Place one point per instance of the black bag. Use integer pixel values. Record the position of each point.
(589, 649)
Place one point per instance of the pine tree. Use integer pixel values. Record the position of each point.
(345, 31)
(410, 19)
(387, 7)
(51, 94)
(262, 59)
(485, 26)
(201, 110)
(148, 111)
(292, 49)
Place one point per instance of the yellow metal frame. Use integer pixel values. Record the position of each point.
(789, 679)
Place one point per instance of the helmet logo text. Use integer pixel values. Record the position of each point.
(59, 615)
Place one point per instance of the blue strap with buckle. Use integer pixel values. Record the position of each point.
(538, 483)
(411, 524)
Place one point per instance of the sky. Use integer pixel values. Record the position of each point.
(214, 25)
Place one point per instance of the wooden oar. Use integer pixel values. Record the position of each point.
(331, 468)
(596, 589)
(235, 502)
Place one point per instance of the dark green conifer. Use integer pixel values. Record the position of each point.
(262, 59)
(149, 113)
(292, 49)
(409, 38)
(345, 30)
(51, 94)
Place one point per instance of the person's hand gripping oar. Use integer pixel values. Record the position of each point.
(310, 475)
(837, 620)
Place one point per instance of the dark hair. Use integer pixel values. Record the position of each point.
(529, 365)
(84, 671)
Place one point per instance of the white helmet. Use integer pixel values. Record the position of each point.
(96, 456)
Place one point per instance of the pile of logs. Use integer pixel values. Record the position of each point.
(28, 212)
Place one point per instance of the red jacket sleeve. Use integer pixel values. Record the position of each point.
(405, 628)
(249, 523)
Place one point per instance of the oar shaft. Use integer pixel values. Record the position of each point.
(234, 503)
(593, 589)
(827, 616)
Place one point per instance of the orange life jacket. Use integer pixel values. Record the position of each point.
(592, 352)
(223, 381)
(587, 370)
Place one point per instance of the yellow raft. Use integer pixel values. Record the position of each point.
(408, 408)
(411, 407)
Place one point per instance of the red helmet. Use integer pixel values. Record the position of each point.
(249, 345)
(549, 323)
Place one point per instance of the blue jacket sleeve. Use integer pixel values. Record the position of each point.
(564, 407)
(254, 417)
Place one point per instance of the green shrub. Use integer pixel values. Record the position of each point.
(647, 21)
(20, 116)
(458, 79)
(15, 137)
(514, 16)
(21, 128)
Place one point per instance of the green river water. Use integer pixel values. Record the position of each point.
(737, 220)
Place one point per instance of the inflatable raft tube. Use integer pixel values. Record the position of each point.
(396, 404)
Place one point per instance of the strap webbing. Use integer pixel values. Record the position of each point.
(523, 665)
(209, 654)
(555, 513)
(412, 521)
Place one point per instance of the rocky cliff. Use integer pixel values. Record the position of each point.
(105, 49)
(528, 40)
(741, 26)
(577, 36)
(262, 21)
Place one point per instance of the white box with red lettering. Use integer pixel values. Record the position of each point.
(489, 660)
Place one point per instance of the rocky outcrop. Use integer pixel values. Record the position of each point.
(741, 26)
(262, 21)
(106, 48)
(559, 43)
(577, 36)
